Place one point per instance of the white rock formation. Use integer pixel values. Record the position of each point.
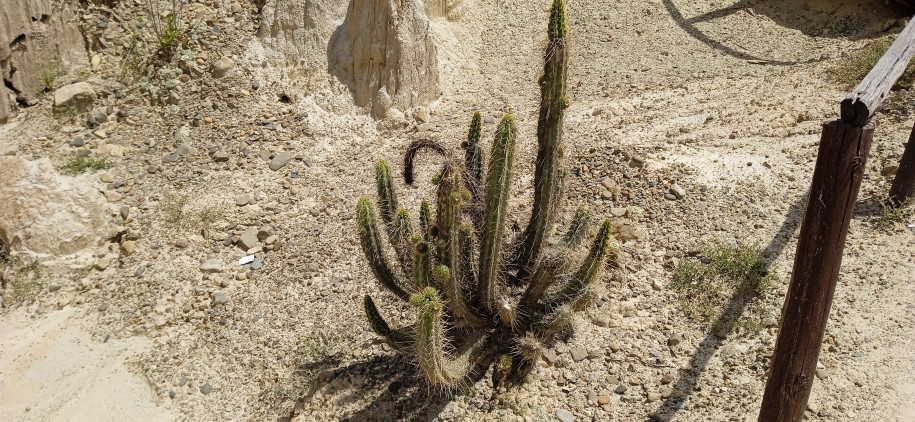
(385, 54)
(55, 219)
(38, 39)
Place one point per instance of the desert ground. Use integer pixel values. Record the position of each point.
(252, 139)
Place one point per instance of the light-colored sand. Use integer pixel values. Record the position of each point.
(51, 369)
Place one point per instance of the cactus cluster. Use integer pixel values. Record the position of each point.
(483, 300)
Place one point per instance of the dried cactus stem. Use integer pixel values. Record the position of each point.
(398, 341)
(557, 262)
(371, 245)
(498, 183)
(588, 270)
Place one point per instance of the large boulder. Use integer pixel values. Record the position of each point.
(45, 216)
(79, 96)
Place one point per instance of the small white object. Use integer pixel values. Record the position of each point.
(247, 259)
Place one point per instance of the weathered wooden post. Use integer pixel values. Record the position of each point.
(844, 146)
(836, 179)
(903, 188)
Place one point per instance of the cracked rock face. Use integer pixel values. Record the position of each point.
(38, 40)
(59, 220)
(385, 54)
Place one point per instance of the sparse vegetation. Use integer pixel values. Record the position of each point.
(19, 279)
(79, 164)
(173, 208)
(849, 71)
(168, 28)
(890, 215)
(723, 280)
(48, 77)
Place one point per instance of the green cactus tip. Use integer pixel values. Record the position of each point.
(557, 25)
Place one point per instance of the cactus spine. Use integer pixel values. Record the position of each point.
(478, 303)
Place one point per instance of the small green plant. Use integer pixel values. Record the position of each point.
(48, 77)
(850, 71)
(890, 215)
(168, 28)
(79, 164)
(19, 279)
(722, 275)
(482, 301)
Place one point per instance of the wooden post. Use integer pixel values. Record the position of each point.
(836, 180)
(866, 98)
(903, 188)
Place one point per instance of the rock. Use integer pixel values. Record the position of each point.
(54, 287)
(677, 191)
(222, 66)
(243, 200)
(206, 388)
(220, 156)
(422, 115)
(106, 178)
(626, 232)
(822, 373)
(636, 161)
(385, 52)
(605, 194)
(128, 247)
(98, 116)
(618, 212)
(603, 400)
(674, 339)
(670, 196)
(171, 394)
(667, 378)
(125, 212)
(614, 346)
(257, 264)
(220, 298)
(103, 307)
(280, 160)
(489, 120)
(620, 389)
(550, 356)
(110, 150)
(185, 149)
(114, 196)
(49, 217)
(565, 415)
(78, 142)
(248, 239)
(653, 397)
(79, 96)
(212, 265)
(264, 232)
(578, 354)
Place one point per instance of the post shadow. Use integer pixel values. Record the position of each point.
(723, 325)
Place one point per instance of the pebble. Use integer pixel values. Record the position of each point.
(185, 149)
(125, 212)
(822, 373)
(128, 248)
(140, 271)
(670, 196)
(54, 287)
(280, 160)
(105, 177)
(103, 307)
(604, 399)
(653, 397)
(674, 339)
(206, 388)
(667, 378)
(221, 156)
(222, 66)
(248, 239)
(615, 346)
(220, 298)
(171, 394)
(636, 161)
(565, 415)
(243, 200)
(677, 191)
(578, 354)
(77, 142)
(257, 264)
(212, 265)
(620, 389)
(618, 212)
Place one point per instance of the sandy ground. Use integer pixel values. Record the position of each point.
(53, 369)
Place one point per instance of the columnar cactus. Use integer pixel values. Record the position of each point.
(482, 300)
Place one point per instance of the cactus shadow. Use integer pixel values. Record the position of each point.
(686, 379)
(379, 389)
